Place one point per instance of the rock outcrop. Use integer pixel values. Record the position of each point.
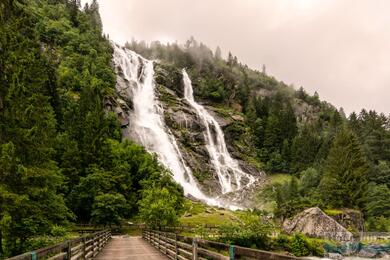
(350, 219)
(314, 222)
(187, 128)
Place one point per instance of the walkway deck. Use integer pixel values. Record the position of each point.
(132, 248)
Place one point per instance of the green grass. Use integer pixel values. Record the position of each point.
(333, 212)
(133, 232)
(167, 97)
(279, 178)
(226, 111)
(264, 198)
(199, 214)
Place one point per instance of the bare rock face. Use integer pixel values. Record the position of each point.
(350, 219)
(188, 129)
(314, 222)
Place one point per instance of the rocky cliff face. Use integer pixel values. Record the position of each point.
(183, 123)
(188, 129)
(315, 223)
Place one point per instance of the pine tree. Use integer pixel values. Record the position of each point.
(218, 53)
(346, 169)
(230, 60)
(96, 21)
(305, 147)
(377, 201)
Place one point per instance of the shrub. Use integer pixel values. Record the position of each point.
(299, 245)
(252, 233)
(282, 242)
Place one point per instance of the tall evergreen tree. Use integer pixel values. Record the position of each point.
(346, 169)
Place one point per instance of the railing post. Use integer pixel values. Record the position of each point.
(194, 248)
(165, 242)
(69, 251)
(231, 252)
(99, 242)
(84, 247)
(34, 255)
(176, 249)
(158, 241)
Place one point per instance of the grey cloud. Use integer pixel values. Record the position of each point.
(341, 48)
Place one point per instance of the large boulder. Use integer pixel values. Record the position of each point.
(351, 219)
(314, 222)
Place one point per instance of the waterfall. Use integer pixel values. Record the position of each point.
(229, 173)
(147, 124)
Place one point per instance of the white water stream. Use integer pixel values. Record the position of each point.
(147, 128)
(147, 118)
(229, 173)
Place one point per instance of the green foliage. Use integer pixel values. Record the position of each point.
(289, 199)
(310, 178)
(344, 179)
(61, 154)
(158, 207)
(381, 173)
(60, 149)
(106, 209)
(281, 243)
(380, 224)
(252, 232)
(377, 200)
(305, 147)
(299, 245)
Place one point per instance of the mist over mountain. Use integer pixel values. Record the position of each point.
(337, 48)
(163, 134)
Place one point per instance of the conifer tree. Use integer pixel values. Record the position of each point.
(346, 168)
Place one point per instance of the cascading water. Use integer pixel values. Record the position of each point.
(136, 83)
(228, 171)
(147, 125)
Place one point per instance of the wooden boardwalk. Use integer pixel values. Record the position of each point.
(132, 248)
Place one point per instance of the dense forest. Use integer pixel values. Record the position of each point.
(61, 155)
(63, 159)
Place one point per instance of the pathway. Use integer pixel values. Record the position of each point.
(132, 248)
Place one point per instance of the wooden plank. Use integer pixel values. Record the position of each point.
(259, 254)
(214, 255)
(213, 244)
(61, 256)
(77, 256)
(184, 245)
(89, 254)
(180, 257)
(170, 252)
(184, 252)
(76, 249)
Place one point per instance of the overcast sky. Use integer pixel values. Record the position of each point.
(340, 48)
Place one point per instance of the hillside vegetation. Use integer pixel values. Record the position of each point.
(63, 159)
(335, 161)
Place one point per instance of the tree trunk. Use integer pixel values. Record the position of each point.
(1, 243)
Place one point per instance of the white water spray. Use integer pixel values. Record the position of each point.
(147, 123)
(229, 173)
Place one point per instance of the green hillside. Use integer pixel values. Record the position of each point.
(63, 159)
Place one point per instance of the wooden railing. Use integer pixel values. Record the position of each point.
(179, 247)
(85, 247)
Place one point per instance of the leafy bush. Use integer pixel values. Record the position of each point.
(252, 233)
(299, 245)
(281, 242)
(160, 206)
